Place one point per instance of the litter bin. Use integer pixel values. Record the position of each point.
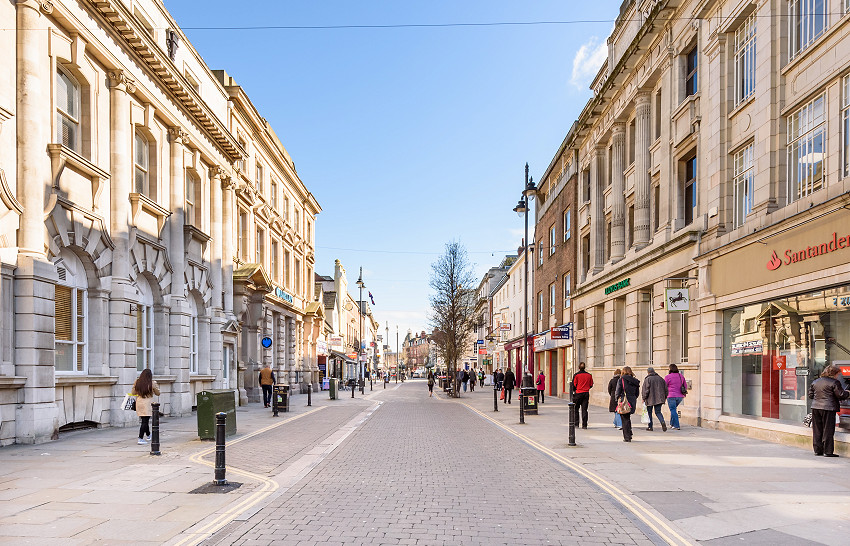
(333, 388)
(528, 399)
(211, 402)
(280, 398)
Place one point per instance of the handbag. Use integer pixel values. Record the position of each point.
(129, 402)
(623, 406)
(684, 388)
(502, 394)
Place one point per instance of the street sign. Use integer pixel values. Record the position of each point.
(267, 342)
(480, 342)
(482, 351)
(563, 332)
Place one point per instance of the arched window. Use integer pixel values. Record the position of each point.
(68, 131)
(193, 336)
(71, 315)
(144, 326)
(141, 160)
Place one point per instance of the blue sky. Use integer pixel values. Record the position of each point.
(410, 137)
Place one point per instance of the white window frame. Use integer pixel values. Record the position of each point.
(567, 290)
(745, 60)
(193, 339)
(806, 128)
(260, 250)
(141, 164)
(540, 305)
(65, 118)
(258, 180)
(273, 193)
(192, 182)
(553, 298)
(144, 337)
(552, 238)
(743, 171)
(78, 339)
(567, 225)
(845, 123)
(811, 18)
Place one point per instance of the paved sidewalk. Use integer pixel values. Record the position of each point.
(101, 486)
(715, 487)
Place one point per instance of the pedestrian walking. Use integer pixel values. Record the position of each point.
(430, 383)
(654, 394)
(541, 385)
(581, 384)
(508, 382)
(499, 379)
(826, 394)
(677, 389)
(464, 378)
(144, 389)
(612, 402)
(267, 381)
(628, 388)
(481, 378)
(472, 376)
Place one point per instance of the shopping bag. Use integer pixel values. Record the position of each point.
(129, 402)
(502, 394)
(644, 416)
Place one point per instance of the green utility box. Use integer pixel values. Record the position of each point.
(212, 402)
(333, 388)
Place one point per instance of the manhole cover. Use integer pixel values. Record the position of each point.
(213, 488)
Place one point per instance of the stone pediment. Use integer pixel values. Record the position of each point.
(253, 275)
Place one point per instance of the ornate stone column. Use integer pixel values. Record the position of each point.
(618, 197)
(291, 350)
(179, 330)
(597, 213)
(122, 297)
(643, 129)
(216, 264)
(228, 229)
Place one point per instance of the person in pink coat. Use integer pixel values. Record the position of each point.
(541, 385)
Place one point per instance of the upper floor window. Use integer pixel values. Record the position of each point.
(689, 193)
(567, 291)
(585, 175)
(743, 184)
(240, 163)
(243, 236)
(261, 246)
(193, 190)
(567, 224)
(553, 298)
(691, 64)
(845, 125)
(275, 273)
(297, 224)
(806, 21)
(540, 306)
(71, 316)
(539, 252)
(273, 193)
(745, 60)
(806, 139)
(286, 209)
(552, 239)
(298, 289)
(141, 159)
(67, 111)
(309, 231)
(258, 181)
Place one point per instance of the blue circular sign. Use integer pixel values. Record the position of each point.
(267, 342)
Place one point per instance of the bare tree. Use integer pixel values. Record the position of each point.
(452, 305)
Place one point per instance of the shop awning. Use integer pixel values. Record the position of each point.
(338, 354)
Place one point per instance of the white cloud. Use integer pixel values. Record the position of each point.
(588, 60)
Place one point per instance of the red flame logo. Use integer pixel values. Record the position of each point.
(774, 262)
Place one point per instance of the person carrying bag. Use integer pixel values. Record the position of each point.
(627, 393)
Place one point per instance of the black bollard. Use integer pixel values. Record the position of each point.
(352, 389)
(155, 429)
(370, 382)
(220, 468)
(275, 396)
(495, 398)
(572, 410)
(310, 394)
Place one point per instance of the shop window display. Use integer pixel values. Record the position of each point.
(774, 350)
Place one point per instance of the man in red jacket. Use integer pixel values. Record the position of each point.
(581, 384)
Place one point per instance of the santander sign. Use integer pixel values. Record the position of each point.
(794, 255)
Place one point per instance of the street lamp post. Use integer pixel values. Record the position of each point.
(360, 355)
(397, 366)
(522, 208)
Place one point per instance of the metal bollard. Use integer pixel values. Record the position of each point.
(572, 408)
(370, 382)
(155, 429)
(274, 403)
(310, 395)
(495, 398)
(352, 390)
(220, 468)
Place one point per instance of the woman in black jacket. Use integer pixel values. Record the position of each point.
(628, 386)
(826, 394)
(612, 403)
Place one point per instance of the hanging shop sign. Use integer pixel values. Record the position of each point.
(279, 292)
(540, 341)
(482, 351)
(267, 342)
(677, 300)
(562, 332)
(747, 348)
(617, 286)
(335, 342)
(506, 327)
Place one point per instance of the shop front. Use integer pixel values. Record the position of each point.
(783, 319)
(553, 355)
(514, 359)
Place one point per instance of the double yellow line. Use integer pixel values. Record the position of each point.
(628, 501)
(267, 486)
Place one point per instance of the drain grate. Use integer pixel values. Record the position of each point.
(213, 488)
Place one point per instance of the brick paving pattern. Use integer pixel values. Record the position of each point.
(427, 471)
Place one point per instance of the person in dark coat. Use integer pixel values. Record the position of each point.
(654, 394)
(499, 379)
(612, 403)
(628, 387)
(826, 394)
(509, 382)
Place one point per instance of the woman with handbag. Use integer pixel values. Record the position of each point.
(144, 390)
(677, 388)
(627, 392)
(612, 402)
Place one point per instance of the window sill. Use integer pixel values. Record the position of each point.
(12, 382)
(198, 377)
(140, 202)
(71, 380)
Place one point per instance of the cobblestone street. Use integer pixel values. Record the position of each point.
(428, 471)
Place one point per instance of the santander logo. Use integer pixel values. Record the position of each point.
(774, 262)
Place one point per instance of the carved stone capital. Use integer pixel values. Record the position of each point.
(218, 172)
(643, 97)
(121, 81)
(618, 129)
(43, 6)
(177, 135)
(227, 182)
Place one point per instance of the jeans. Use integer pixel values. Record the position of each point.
(582, 399)
(673, 403)
(657, 409)
(618, 420)
(267, 395)
(144, 428)
(464, 386)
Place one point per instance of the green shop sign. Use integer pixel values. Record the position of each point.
(616, 286)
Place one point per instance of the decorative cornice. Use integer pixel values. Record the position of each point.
(118, 79)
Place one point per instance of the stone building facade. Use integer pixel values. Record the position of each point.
(712, 206)
(119, 170)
